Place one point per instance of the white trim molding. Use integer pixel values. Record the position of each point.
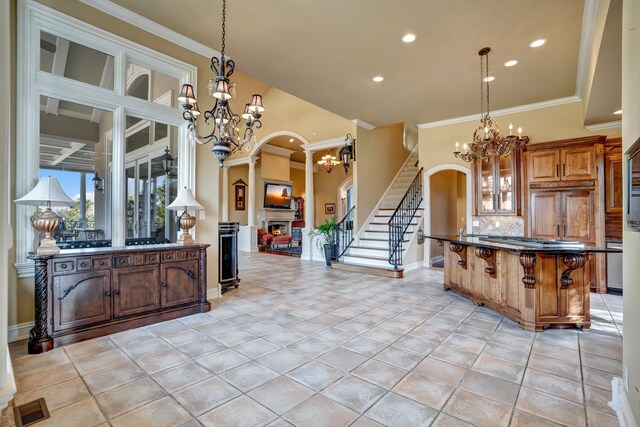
(297, 165)
(603, 126)
(363, 124)
(19, 332)
(589, 16)
(326, 144)
(503, 112)
(124, 14)
(620, 403)
(278, 151)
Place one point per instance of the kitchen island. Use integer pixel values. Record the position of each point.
(537, 283)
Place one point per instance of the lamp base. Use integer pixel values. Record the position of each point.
(48, 246)
(185, 239)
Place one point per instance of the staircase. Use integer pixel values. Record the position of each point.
(371, 248)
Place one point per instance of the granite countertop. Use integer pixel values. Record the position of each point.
(134, 248)
(514, 245)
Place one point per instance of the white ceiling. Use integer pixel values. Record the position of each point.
(326, 52)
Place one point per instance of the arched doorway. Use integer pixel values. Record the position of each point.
(448, 183)
(346, 196)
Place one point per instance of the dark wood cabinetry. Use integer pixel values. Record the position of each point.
(497, 184)
(82, 294)
(565, 195)
(613, 188)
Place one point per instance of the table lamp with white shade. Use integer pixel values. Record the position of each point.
(186, 202)
(46, 192)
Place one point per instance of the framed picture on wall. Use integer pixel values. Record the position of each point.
(330, 208)
(240, 187)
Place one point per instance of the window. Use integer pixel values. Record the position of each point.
(82, 117)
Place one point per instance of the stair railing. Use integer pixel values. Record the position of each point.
(344, 234)
(402, 217)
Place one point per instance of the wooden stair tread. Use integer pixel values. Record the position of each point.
(373, 249)
(379, 240)
(386, 223)
(393, 209)
(376, 258)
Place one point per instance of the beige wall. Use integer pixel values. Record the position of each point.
(461, 202)
(275, 167)
(444, 195)
(326, 186)
(380, 154)
(297, 181)
(541, 125)
(236, 173)
(630, 133)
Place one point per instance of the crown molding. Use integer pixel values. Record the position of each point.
(124, 14)
(363, 124)
(503, 112)
(297, 165)
(589, 16)
(326, 144)
(278, 151)
(603, 126)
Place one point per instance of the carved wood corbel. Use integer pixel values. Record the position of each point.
(528, 262)
(489, 255)
(572, 262)
(461, 250)
(440, 243)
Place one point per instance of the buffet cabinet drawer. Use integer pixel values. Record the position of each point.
(120, 261)
(146, 258)
(64, 266)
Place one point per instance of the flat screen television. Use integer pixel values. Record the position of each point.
(277, 196)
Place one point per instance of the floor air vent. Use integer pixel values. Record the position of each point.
(31, 413)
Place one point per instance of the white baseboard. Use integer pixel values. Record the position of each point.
(8, 389)
(19, 332)
(412, 266)
(620, 404)
(214, 293)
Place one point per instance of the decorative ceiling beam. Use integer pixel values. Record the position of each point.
(105, 81)
(58, 67)
(75, 146)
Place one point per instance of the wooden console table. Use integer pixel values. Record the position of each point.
(86, 293)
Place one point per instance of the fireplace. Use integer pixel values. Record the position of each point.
(277, 229)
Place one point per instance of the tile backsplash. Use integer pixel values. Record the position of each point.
(499, 225)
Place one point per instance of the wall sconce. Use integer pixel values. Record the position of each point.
(167, 161)
(98, 183)
(348, 152)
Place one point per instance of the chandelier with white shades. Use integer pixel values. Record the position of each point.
(226, 136)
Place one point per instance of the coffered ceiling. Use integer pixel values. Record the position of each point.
(328, 51)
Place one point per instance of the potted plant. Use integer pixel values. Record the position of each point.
(327, 230)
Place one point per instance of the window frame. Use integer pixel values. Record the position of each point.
(31, 83)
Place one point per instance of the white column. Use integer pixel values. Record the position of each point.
(225, 194)
(251, 199)
(309, 205)
(309, 209)
(83, 200)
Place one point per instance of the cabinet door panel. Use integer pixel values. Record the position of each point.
(135, 290)
(81, 299)
(578, 215)
(486, 185)
(543, 166)
(545, 215)
(613, 183)
(179, 283)
(578, 163)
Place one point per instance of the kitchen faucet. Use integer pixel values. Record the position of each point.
(463, 229)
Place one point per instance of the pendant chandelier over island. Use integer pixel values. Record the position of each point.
(487, 140)
(226, 136)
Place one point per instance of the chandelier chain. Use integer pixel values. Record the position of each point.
(486, 66)
(481, 89)
(224, 26)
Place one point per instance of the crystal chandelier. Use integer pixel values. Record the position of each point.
(329, 161)
(226, 136)
(487, 140)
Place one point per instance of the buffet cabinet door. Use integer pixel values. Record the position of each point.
(135, 290)
(179, 283)
(81, 299)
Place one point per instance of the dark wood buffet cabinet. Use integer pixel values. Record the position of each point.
(86, 293)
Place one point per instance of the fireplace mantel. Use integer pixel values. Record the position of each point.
(267, 216)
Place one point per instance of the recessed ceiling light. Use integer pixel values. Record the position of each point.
(617, 112)
(409, 38)
(489, 79)
(537, 43)
(378, 79)
(291, 140)
(511, 63)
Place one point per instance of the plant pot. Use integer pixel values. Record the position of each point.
(334, 253)
(328, 253)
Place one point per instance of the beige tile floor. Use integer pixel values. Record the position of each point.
(298, 344)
